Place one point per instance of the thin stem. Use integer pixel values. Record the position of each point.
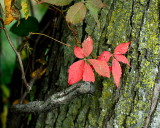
(50, 38)
(18, 55)
(31, 84)
(31, 7)
(70, 28)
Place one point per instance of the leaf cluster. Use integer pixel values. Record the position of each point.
(13, 8)
(76, 13)
(83, 69)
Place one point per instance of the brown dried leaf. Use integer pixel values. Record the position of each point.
(9, 18)
(17, 101)
(11, 12)
(33, 74)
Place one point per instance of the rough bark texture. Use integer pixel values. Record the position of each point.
(135, 104)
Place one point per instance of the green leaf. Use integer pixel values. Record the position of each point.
(94, 7)
(25, 26)
(58, 2)
(96, 3)
(25, 8)
(7, 58)
(5, 91)
(76, 13)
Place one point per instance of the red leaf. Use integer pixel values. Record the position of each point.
(122, 58)
(100, 67)
(122, 48)
(105, 56)
(88, 74)
(87, 46)
(78, 52)
(76, 72)
(116, 71)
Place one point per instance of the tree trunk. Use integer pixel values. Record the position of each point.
(134, 104)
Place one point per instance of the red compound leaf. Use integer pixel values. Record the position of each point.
(116, 71)
(82, 70)
(122, 48)
(88, 74)
(122, 59)
(100, 67)
(87, 46)
(78, 52)
(76, 72)
(105, 56)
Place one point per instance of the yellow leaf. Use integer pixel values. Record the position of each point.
(3, 116)
(9, 18)
(33, 74)
(43, 62)
(17, 101)
(10, 11)
(25, 8)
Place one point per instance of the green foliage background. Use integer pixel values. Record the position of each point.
(8, 60)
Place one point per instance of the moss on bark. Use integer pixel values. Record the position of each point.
(123, 107)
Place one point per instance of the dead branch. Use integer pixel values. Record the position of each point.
(54, 100)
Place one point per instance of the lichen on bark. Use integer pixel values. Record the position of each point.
(129, 104)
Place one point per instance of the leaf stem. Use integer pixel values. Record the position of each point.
(50, 38)
(31, 84)
(74, 33)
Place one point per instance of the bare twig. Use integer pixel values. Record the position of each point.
(31, 84)
(70, 28)
(28, 88)
(56, 99)
(50, 38)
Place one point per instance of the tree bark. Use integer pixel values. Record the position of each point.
(135, 103)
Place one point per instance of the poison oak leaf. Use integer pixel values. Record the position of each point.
(76, 72)
(122, 59)
(100, 67)
(122, 48)
(116, 71)
(87, 46)
(88, 74)
(81, 69)
(116, 58)
(105, 56)
(78, 52)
